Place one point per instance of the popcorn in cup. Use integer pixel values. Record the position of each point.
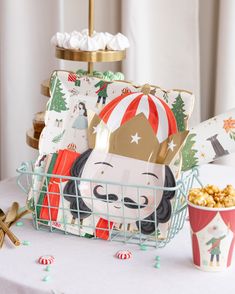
(212, 222)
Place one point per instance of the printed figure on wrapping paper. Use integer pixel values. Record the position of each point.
(40, 168)
(59, 123)
(80, 122)
(215, 241)
(101, 92)
(72, 77)
(135, 152)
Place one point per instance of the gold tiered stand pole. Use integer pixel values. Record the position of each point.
(91, 30)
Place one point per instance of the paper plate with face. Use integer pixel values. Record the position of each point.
(131, 155)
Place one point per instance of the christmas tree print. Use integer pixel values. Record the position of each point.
(53, 81)
(189, 154)
(179, 112)
(58, 138)
(52, 88)
(58, 102)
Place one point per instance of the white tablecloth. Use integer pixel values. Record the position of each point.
(89, 266)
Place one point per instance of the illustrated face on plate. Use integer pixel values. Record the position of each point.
(117, 200)
(148, 205)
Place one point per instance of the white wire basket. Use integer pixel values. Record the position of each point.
(135, 230)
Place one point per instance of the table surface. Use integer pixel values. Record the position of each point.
(89, 266)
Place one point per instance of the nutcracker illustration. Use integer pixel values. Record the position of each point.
(101, 92)
(131, 144)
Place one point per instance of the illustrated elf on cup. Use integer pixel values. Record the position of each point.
(214, 242)
(126, 149)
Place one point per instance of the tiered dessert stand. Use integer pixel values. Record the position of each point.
(91, 57)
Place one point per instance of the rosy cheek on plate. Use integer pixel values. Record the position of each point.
(85, 187)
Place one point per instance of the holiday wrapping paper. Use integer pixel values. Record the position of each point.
(52, 208)
(210, 140)
(67, 110)
(62, 167)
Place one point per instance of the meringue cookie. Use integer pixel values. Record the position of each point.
(66, 44)
(108, 75)
(81, 40)
(57, 39)
(108, 37)
(81, 72)
(76, 33)
(118, 42)
(88, 44)
(119, 76)
(74, 42)
(101, 40)
(98, 74)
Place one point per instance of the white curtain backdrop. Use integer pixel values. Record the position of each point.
(173, 45)
(26, 59)
(225, 73)
(164, 41)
